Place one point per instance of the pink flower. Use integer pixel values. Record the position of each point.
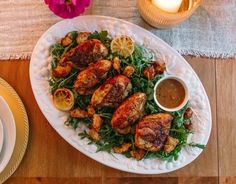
(67, 8)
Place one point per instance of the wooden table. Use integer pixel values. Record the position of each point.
(50, 159)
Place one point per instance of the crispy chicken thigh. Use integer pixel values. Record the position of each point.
(85, 53)
(112, 92)
(62, 71)
(81, 56)
(131, 110)
(88, 79)
(152, 131)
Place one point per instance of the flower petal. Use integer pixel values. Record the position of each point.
(47, 1)
(59, 2)
(75, 2)
(67, 10)
(85, 2)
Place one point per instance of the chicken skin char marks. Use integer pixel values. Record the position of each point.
(112, 92)
(131, 110)
(88, 79)
(81, 56)
(152, 131)
(85, 53)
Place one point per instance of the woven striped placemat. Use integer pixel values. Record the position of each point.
(209, 32)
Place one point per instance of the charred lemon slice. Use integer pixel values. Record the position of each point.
(122, 45)
(63, 99)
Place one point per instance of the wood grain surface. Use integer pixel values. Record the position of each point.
(226, 100)
(50, 159)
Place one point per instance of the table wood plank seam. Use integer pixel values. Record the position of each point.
(41, 130)
(217, 132)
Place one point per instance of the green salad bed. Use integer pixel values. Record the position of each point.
(139, 60)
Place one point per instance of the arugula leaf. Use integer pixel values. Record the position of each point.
(102, 36)
(105, 147)
(56, 51)
(73, 35)
(73, 122)
(83, 135)
(201, 146)
(82, 101)
(67, 82)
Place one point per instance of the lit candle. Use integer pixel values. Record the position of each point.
(171, 6)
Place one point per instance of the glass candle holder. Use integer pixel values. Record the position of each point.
(162, 19)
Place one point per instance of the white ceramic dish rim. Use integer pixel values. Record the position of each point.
(186, 98)
(74, 144)
(10, 129)
(1, 135)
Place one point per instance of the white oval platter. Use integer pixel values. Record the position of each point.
(176, 65)
(1, 135)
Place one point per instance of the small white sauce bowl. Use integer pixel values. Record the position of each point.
(186, 94)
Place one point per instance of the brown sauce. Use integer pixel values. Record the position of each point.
(170, 93)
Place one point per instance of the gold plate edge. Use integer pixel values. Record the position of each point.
(20, 151)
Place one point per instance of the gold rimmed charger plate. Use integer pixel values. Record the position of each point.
(22, 128)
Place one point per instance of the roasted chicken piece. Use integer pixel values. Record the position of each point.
(96, 126)
(112, 92)
(91, 110)
(62, 71)
(188, 113)
(152, 131)
(79, 36)
(67, 40)
(116, 64)
(138, 154)
(189, 126)
(131, 110)
(85, 53)
(80, 57)
(149, 72)
(82, 36)
(128, 71)
(78, 113)
(94, 134)
(170, 144)
(159, 67)
(154, 69)
(122, 148)
(88, 79)
(97, 122)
